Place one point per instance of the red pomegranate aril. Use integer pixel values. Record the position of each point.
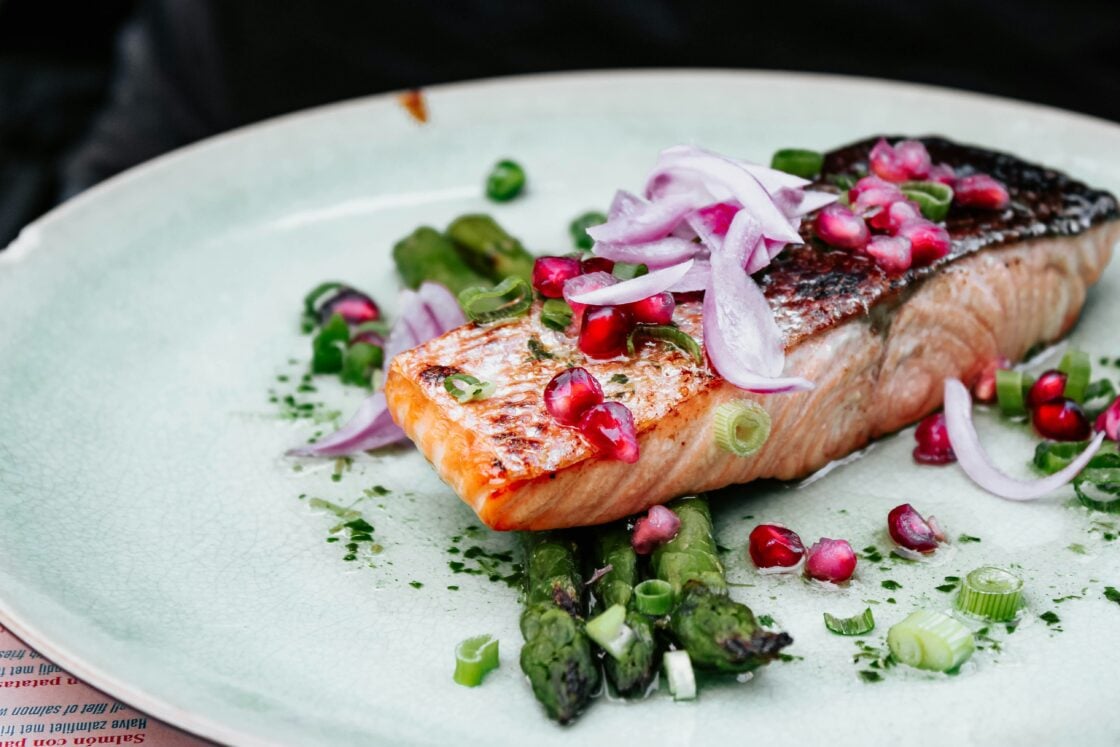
(596, 264)
(943, 173)
(838, 226)
(609, 426)
(773, 546)
(892, 253)
(900, 213)
(657, 309)
(914, 158)
(602, 334)
(550, 274)
(933, 446)
(908, 529)
(354, 306)
(570, 394)
(1061, 420)
(657, 527)
(877, 198)
(1109, 421)
(830, 560)
(885, 163)
(980, 191)
(929, 242)
(984, 390)
(1051, 385)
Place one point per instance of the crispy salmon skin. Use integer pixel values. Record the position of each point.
(877, 346)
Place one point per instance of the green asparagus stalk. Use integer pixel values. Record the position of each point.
(718, 633)
(427, 255)
(632, 674)
(557, 654)
(488, 249)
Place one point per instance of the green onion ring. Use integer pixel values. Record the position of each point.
(1011, 390)
(510, 298)
(1054, 456)
(930, 640)
(556, 314)
(741, 427)
(466, 388)
(475, 657)
(610, 631)
(1098, 485)
(860, 624)
(933, 198)
(653, 597)
(991, 593)
(1077, 368)
(798, 161)
(664, 333)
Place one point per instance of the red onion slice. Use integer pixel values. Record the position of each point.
(636, 289)
(742, 339)
(979, 466)
(696, 279)
(668, 251)
(424, 315)
(772, 179)
(645, 222)
(624, 204)
(371, 428)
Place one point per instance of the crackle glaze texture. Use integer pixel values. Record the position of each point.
(152, 535)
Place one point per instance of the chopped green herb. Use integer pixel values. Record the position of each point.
(872, 554)
(767, 621)
(1050, 617)
(965, 538)
(619, 378)
(946, 587)
(538, 351)
(416, 584)
(891, 585)
(1112, 594)
(453, 588)
(868, 675)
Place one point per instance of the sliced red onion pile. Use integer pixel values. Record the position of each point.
(424, 315)
(979, 466)
(708, 221)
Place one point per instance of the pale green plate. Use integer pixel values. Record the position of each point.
(152, 537)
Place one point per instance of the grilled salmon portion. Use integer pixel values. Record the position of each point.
(877, 346)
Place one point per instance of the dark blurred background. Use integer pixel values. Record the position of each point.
(91, 87)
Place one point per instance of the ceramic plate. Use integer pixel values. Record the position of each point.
(155, 541)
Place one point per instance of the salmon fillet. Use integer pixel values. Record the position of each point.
(878, 348)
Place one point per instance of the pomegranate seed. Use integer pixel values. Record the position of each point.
(1109, 421)
(657, 309)
(773, 546)
(550, 274)
(354, 306)
(881, 197)
(596, 264)
(914, 158)
(900, 213)
(657, 527)
(830, 560)
(1051, 385)
(570, 394)
(838, 226)
(929, 242)
(981, 191)
(942, 173)
(892, 253)
(869, 183)
(582, 284)
(1061, 420)
(933, 446)
(603, 331)
(984, 390)
(885, 163)
(609, 427)
(908, 529)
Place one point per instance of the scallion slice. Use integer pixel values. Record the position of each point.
(1055, 456)
(359, 362)
(991, 593)
(678, 671)
(860, 624)
(933, 198)
(798, 161)
(1077, 368)
(930, 640)
(466, 388)
(1098, 485)
(1101, 389)
(679, 339)
(508, 299)
(627, 271)
(328, 347)
(653, 597)
(556, 314)
(741, 427)
(310, 312)
(611, 632)
(475, 657)
(578, 229)
(1011, 391)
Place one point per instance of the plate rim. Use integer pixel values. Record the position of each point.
(29, 239)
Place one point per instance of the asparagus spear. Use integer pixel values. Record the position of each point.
(632, 673)
(427, 255)
(488, 249)
(557, 654)
(718, 633)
